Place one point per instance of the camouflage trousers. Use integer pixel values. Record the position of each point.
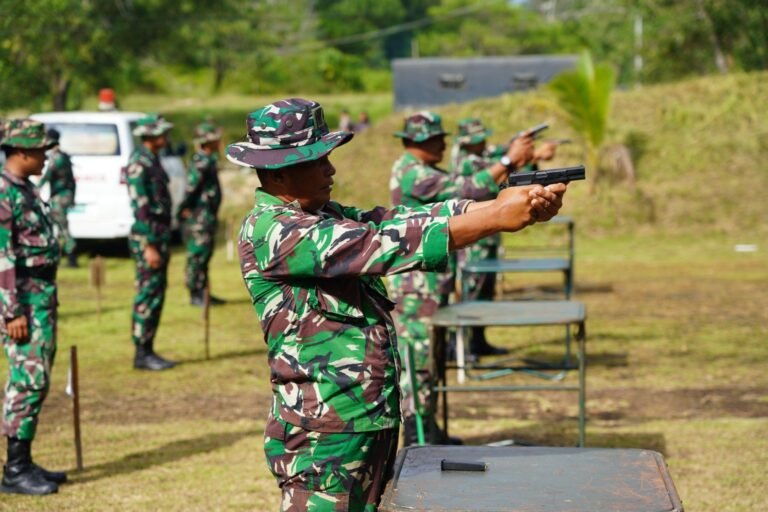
(411, 316)
(199, 251)
(150, 287)
(477, 286)
(59, 206)
(30, 360)
(329, 472)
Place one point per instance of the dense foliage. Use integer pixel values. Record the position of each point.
(60, 51)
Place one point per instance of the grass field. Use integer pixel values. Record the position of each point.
(677, 328)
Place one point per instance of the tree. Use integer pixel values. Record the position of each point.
(584, 95)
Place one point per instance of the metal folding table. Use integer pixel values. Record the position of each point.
(506, 314)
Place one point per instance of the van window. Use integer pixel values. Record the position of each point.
(88, 139)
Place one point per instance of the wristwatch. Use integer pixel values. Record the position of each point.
(506, 162)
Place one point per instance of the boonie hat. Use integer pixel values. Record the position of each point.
(421, 126)
(472, 131)
(151, 125)
(206, 132)
(26, 133)
(285, 133)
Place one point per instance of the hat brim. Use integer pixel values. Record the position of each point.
(475, 138)
(250, 155)
(46, 144)
(420, 137)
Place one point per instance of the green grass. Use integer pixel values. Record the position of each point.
(677, 324)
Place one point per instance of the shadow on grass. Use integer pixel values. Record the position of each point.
(535, 436)
(170, 452)
(226, 355)
(90, 312)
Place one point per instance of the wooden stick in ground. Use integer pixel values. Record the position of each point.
(206, 320)
(76, 406)
(97, 281)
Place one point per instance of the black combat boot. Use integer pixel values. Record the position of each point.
(479, 346)
(146, 359)
(72, 260)
(198, 299)
(20, 475)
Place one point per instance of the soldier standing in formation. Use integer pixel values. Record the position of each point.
(313, 268)
(150, 238)
(62, 184)
(198, 210)
(417, 181)
(29, 256)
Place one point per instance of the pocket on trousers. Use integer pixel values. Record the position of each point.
(295, 500)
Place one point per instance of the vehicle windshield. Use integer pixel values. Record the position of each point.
(88, 139)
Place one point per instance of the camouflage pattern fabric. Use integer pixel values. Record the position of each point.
(476, 286)
(27, 243)
(421, 126)
(26, 133)
(61, 180)
(414, 183)
(314, 279)
(285, 133)
(202, 198)
(151, 125)
(330, 472)
(151, 205)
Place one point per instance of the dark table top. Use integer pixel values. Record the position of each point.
(540, 479)
(509, 313)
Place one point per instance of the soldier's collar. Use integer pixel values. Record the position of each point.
(264, 197)
(13, 178)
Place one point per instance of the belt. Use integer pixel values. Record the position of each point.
(44, 272)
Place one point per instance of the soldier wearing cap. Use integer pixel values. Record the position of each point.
(416, 180)
(150, 238)
(198, 210)
(61, 180)
(29, 256)
(312, 267)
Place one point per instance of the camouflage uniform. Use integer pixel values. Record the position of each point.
(419, 294)
(202, 198)
(29, 255)
(476, 286)
(151, 205)
(62, 183)
(314, 279)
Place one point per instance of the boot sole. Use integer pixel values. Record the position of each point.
(13, 490)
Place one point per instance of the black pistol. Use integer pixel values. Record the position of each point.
(535, 132)
(548, 177)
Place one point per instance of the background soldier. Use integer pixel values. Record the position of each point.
(312, 268)
(29, 255)
(150, 238)
(198, 210)
(416, 181)
(62, 184)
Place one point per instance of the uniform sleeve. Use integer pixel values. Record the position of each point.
(399, 212)
(9, 305)
(194, 186)
(137, 190)
(431, 187)
(279, 244)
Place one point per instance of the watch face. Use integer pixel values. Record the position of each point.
(505, 161)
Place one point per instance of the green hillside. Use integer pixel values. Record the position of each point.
(698, 147)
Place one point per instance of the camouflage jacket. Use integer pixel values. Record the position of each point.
(59, 174)
(414, 183)
(314, 279)
(202, 196)
(27, 238)
(468, 164)
(150, 197)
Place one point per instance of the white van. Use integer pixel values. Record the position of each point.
(100, 144)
